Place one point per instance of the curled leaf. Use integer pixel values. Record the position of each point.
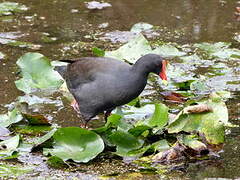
(200, 108)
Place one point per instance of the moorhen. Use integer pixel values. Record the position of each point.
(101, 84)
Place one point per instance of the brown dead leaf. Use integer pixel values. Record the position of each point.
(172, 96)
(200, 108)
(36, 119)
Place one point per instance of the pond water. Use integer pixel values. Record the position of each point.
(67, 29)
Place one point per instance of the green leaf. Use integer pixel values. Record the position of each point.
(39, 140)
(9, 146)
(98, 52)
(212, 48)
(8, 8)
(131, 51)
(159, 117)
(167, 50)
(161, 145)
(219, 50)
(13, 171)
(192, 142)
(11, 117)
(199, 86)
(114, 121)
(211, 124)
(37, 73)
(137, 114)
(138, 130)
(125, 142)
(139, 27)
(80, 145)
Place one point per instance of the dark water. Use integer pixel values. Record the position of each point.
(185, 21)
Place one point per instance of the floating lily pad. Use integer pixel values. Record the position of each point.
(11, 117)
(137, 114)
(125, 142)
(139, 27)
(39, 140)
(219, 50)
(9, 146)
(168, 51)
(80, 145)
(192, 142)
(37, 73)
(159, 117)
(4, 133)
(210, 123)
(13, 171)
(8, 8)
(131, 51)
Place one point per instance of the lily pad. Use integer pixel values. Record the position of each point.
(80, 145)
(137, 114)
(211, 123)
(4, 133)
(13, 171)
(159, 117)
(125, 142)
(131, 51)
(219, 50)
(11, 117)
(141, 26)
(37, 73)
(39, 140)
(8, 8)
(7, 147)
(192, 142)
(167, 50)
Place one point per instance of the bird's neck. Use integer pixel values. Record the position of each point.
(141, 68)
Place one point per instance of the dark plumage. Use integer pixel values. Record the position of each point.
(100, 84)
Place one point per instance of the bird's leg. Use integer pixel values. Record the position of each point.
(75, 106)
(84, 123)
(107, 113)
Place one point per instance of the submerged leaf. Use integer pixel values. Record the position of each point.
(8, 8)
(37, 73)
(36, 119)
(80, 145)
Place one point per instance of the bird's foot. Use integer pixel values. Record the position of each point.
(75, 106)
